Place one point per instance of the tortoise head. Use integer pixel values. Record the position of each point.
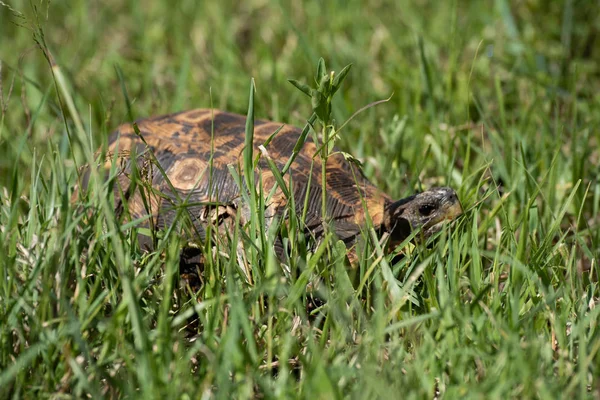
(427, 210)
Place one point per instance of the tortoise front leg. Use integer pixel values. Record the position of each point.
(220, 220)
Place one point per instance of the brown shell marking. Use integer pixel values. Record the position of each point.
(181, 143)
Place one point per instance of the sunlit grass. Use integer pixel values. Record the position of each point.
(500, 103)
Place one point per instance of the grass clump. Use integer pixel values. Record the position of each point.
(498, 102)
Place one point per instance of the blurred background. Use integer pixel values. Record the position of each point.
(497, 80)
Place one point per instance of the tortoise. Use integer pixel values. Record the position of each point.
(194, 148)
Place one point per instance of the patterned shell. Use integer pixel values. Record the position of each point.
(183, 144)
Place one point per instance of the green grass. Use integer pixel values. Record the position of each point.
(498, 100)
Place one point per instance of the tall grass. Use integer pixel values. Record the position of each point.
(499, 102)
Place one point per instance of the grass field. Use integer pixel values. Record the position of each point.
(498, 99)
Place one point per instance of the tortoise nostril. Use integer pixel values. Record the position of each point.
(451, 195)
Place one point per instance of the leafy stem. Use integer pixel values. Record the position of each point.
(327, 84)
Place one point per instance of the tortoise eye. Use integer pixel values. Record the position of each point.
(426, 209)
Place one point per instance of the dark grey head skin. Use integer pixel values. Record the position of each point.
(427, 210)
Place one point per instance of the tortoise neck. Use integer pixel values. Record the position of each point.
(392, 210)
